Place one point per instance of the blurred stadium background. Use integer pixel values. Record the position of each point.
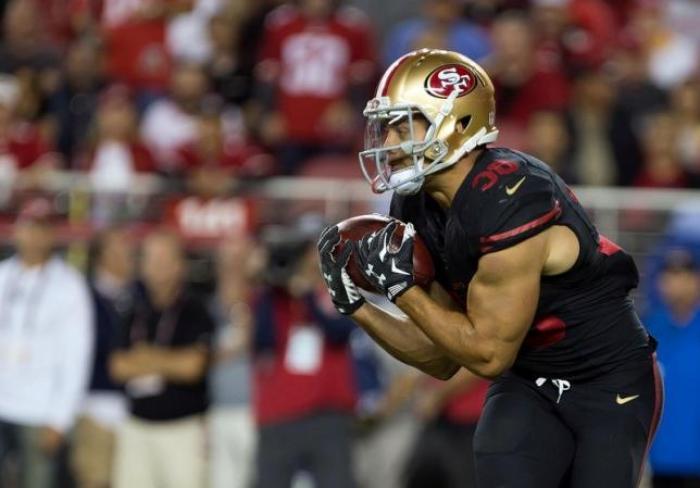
(235, 125)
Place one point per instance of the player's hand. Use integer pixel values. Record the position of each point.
(390, 272)
(344, 293)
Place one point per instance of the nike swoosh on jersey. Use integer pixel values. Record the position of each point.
(510, 190)
(622, 400)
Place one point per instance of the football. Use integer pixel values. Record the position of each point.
(355, 228)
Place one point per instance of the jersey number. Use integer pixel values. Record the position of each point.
(489, 177)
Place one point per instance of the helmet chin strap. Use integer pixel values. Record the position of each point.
(407, 181)
(479, 139)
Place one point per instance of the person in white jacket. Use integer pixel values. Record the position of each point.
(45, 348)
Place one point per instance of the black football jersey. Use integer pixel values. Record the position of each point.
(585, 322)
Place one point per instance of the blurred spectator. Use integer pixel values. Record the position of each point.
(213, 209)
(483, 12)
(439, 27)
(671, 57)
(573, 34)
(316, 64)
(304, 387)
(45, 348)
(134, 37)
(57, 22)
(207, 218)
(23, 150)
(74, 104)
(223, 149)
(523, 85)
(661, 165)
(117, 154)
(104, 407)
(232, 429)
(683, 16)
(443, 456)
(593, 157)
(252, 15)
(675, 454)
(685, 106)
(636, 98)
(25, 50)
(226, 68)
(171, 122)
(549, 141)
(187, 36)
(162, 358)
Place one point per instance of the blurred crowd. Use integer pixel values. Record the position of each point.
(206, 91)
(134, 377)
(158, 367)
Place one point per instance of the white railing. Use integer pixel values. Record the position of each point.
(611, 208)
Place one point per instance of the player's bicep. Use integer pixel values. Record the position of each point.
(503, 295)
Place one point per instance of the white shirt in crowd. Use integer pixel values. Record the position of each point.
(46, 341)
(165, 129)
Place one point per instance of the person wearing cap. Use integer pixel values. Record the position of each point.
(45, 348)
(675, 454)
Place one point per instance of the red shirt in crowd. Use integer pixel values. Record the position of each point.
(141, 159)
(312, 64)
(241, 158)
(207, 220)
(135, 48)
(24, 145)
(646, 179)
(587, 39)
(324, 379)
(544, 90)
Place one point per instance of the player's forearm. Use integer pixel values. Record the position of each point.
(403, 340)
(453, 333)
(183, 365)
(123, 366)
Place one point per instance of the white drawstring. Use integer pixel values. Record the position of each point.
(561, 385)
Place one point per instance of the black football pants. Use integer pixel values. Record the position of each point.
(551, 433)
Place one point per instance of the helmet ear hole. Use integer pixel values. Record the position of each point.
(463, 123)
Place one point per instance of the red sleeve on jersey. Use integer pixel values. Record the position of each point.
(607, 247)
(512, 207)
(489, 243)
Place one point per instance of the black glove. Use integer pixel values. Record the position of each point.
(389, 272)
(343, 291)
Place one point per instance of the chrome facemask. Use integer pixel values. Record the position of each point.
(377, 157)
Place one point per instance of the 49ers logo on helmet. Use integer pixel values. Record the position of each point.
(448, 78)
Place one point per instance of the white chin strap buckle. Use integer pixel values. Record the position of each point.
(406, 181)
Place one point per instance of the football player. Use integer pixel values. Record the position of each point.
(527, 292)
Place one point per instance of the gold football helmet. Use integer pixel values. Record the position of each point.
(452, 93)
